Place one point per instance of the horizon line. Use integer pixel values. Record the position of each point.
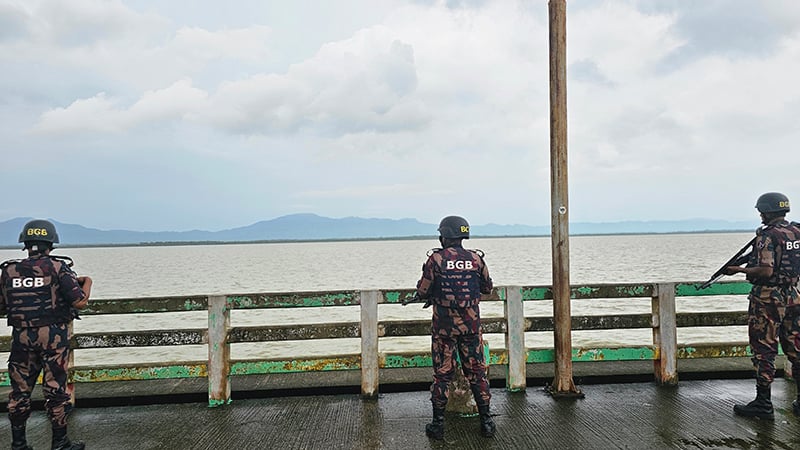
(366, 239)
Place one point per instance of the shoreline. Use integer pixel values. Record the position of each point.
(364, 239)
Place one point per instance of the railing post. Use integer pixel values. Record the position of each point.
(515, 339)
(369, 343)
(219, 351)
(665, 334)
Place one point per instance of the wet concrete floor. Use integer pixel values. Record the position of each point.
(693, 415)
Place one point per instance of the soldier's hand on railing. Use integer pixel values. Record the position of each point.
(408, 300)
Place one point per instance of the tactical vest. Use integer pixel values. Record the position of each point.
(31, 291)
(786, 238)
(458, 279)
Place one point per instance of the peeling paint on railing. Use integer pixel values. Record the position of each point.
(296, 365)
(294, 300)
(227, 335)
(145, 305)
(590, 292)
(401, 361)
(83, 375)
(595, 354)
(708, 351)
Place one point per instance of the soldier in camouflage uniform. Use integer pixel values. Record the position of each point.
(790, 335)
(772, 267)
(40, 295)
(453, 280)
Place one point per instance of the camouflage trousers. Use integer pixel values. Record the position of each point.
(790, 338)
(765, 330)
(33, 350)
(470, 351)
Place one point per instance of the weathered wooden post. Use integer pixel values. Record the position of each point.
(665, 334)
(369, 344)
(219, 351)
(559, 217)
(515, 339)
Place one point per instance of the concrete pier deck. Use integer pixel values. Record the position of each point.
(640, 415)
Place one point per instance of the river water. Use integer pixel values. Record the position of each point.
(125, 272)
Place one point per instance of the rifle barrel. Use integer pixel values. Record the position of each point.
(721, 271)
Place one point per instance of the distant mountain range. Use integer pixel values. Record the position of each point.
(299, 227)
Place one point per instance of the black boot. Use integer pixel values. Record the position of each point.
(796, 403)
(18, 439)
(61, 442)
(435, 429)
(488, 427)
(761, 407)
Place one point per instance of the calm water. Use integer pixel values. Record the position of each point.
(123, 272)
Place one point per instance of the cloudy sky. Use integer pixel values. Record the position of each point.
(190, 114)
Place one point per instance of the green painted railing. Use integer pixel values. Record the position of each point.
(220, 335)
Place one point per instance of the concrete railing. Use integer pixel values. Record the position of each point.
(219, 335)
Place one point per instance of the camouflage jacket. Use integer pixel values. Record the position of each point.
(38, 291)
(777, 246)
(454, 279)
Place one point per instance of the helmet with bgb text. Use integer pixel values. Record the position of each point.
(454, 227)
(772, 202)
(39, 230)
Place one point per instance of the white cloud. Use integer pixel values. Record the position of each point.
(361, 84)
(367, 83)
(109, 39)
(102, 114)
(80, 116)
(246, 44)
(409, 98)
(624, 43)
(674, 120)
(170, 103)
(82, 22)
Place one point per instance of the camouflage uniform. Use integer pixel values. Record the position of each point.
(37, 294)
(770, 298)
(453, 280)
(790, 337)
(790, 327)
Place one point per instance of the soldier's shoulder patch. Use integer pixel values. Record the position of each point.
(5, 264)
(65, 259)
(433, 250)
(478, 252)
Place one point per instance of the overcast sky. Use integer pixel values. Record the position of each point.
(187, 114)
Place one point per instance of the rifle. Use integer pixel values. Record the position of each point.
(736, 260)
(416, 299)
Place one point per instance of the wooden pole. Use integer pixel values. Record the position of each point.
(559, 217)
(219, 351)
(515, 339)
(665, 334)
(370, 364)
